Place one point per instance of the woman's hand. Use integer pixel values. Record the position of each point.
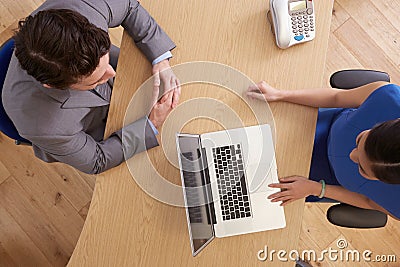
(264, 91)
(294, 188)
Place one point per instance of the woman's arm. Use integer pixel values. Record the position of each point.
(358, 200)
(297, 187)
(323, 97)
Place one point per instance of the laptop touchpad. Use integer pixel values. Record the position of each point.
(260, 177)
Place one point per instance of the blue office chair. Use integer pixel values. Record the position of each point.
(6, 125)
(343, 214)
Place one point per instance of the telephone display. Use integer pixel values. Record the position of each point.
(298, 5)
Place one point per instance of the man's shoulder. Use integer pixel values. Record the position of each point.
(27, 104)
(95, 11)
(19, 86)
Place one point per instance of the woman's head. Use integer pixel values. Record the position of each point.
(60, 47)
(378, 152)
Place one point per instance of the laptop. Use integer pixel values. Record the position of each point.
(225, 177)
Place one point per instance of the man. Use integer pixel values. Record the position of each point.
(58, 86)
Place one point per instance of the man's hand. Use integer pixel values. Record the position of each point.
(161, 109)
(163, 73)
(294, 188)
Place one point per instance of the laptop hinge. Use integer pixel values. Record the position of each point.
(206, 176)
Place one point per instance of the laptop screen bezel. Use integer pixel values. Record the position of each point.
(194, 253)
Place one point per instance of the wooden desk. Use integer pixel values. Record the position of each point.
(127, 227)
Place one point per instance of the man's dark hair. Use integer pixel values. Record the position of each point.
(382, 147)
(59, 46)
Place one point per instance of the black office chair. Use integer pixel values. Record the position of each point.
(6, 125)
(343, 214)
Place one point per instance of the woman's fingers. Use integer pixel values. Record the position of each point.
(284, 198)
(279, 194)
(284, 203)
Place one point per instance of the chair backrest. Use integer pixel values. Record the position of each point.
(352, 78)
(6, 125)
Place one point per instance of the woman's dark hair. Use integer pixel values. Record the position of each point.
(59, 46)
(382, 147)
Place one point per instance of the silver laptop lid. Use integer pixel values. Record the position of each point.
(195, 181)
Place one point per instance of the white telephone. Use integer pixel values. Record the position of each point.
(293, 21)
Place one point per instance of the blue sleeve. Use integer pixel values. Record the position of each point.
(166, 55)
(385, 195)
(152, 127)
(381, 105)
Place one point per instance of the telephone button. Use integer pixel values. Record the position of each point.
(309, 11)
(299, 38)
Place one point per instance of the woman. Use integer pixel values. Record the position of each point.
(356, 149)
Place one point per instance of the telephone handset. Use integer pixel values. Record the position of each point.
(293, 21)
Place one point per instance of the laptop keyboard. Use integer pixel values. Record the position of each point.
(232, 188)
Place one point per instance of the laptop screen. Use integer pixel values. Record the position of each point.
(194, 183)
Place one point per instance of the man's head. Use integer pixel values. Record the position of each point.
(60, 48)
(378, 152)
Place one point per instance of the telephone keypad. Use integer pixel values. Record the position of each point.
(302, 24)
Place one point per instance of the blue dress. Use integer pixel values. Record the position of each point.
(335, 138)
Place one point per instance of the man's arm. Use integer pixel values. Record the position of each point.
(148, 36)
(85, 154)
(81, 151)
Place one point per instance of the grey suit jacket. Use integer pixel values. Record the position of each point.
(68, 125)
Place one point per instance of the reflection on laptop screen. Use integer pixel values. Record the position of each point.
(200, 226)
